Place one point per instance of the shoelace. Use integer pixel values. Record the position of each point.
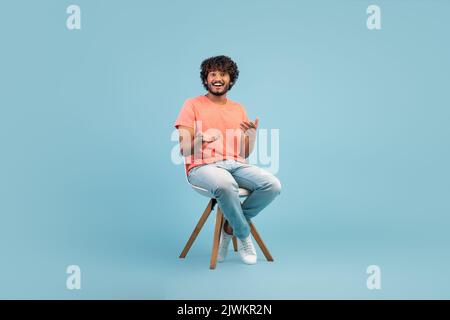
(247, 246)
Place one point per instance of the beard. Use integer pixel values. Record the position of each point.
(211, 90)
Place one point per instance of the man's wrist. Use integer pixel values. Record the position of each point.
(199, 136)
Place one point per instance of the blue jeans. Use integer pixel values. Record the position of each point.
(222, 180)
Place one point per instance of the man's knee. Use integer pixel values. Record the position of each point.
(226, 187)
(271, 184)
(275, 185)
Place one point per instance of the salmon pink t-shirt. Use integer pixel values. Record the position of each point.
(210, 118)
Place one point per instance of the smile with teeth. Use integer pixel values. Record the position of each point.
(217, 84)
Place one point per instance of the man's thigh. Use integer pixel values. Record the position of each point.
(211, 177)
(251, 177)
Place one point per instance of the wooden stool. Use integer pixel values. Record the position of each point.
(218, 229)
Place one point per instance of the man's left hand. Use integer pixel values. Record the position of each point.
(249, 128)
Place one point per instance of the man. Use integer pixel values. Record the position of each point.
(215, 138)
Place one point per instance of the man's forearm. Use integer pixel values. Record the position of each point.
(248, 146)
(188, 147)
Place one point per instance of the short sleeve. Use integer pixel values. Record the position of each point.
(244, 114)
(186, 117)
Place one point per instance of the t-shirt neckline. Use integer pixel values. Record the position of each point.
(217, 104)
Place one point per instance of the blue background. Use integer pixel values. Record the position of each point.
(86, 176)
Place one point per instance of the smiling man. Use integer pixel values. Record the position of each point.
(216, 137)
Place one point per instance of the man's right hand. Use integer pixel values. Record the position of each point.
(208, 138)
(190, 142)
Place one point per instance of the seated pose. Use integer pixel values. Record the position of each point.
(216, 137)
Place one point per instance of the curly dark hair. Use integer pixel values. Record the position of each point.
(219, 63)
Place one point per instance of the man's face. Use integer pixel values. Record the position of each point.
(218, 82)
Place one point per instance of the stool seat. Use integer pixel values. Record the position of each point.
(242, 192)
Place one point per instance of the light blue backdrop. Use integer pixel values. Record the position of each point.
(86, 176)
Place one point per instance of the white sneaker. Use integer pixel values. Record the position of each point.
(224, 242)
(247, 250)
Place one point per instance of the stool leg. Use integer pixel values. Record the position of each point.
(198, 227)
(217, 230)
(260, 242)
(235, 244)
